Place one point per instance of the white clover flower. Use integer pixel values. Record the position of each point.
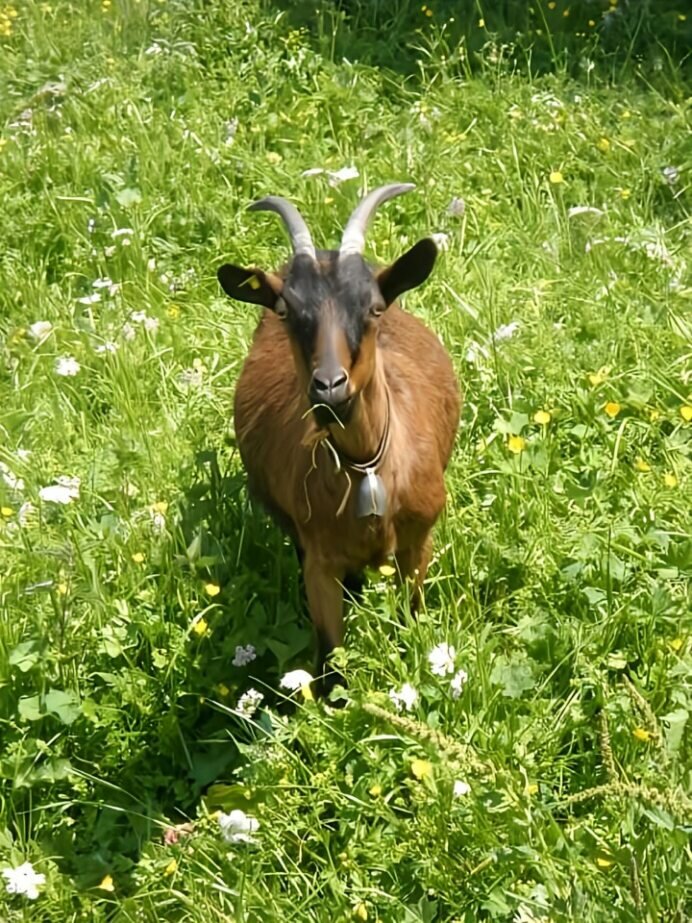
(405, 698)
(11, 479)
(65, 491)
(191, 378)
(151, 324)
(40, 330)
(505, 332)
(457, 683)
(105, 282)
(671, 175)
(295, 679)
(94, 298)
(67, 366)
(456, 207)
(441, 659)
(249, 702)
(475, 353)
(238, 827)
(108, 347)
(23, 880)
(441, 240)
(128, 332)
(461, 788)
(244, 655)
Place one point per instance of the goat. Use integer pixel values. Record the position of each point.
(346, 411)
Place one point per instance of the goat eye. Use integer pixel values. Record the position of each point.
(281, 309)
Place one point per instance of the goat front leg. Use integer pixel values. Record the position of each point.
(412, 565)
(325, 595)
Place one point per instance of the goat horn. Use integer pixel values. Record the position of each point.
(301, 239)
(353, 240)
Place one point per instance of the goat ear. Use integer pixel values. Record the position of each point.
(409, 271)
(251, 285)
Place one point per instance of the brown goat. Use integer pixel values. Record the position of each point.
(346, 410)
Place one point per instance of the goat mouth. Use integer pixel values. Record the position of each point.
(333, 413)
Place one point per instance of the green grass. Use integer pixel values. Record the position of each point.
(562, 567)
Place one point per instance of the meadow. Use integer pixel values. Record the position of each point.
(519, 750)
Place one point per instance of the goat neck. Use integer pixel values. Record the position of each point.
(360, 439)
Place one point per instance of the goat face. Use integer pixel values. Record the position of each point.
(330, 302)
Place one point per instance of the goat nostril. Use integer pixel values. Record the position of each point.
(327, 385)
(339, 380)
(319, 384)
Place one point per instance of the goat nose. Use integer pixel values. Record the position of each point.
(329, 387)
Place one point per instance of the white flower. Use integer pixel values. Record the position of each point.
(94, 298)
(249, 702)
(441, 240)
(108, 347)
(238, 826)
(11, 479)
(91, 225)
(128, 332)
(296, 679)
(244, 655)
(40, 330)
(105, 282)
(64, 492)
(191, 378)
(122, 232)
(67, 366)
(151, 324)
(671, 175)
(475, 353)
(151, 264)
(336, 177)
(584, 210)
(505, 331)
(441, 659)
(456, 207)
(405, 698)
(461, 788)
(23, 880)
(457, 684)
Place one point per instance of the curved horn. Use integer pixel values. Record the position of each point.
(353, 240)
(301, 239)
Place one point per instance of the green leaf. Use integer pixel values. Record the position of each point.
(674, 723)
(30, 708)
(64, 705)
(514, 675)
(25, 656)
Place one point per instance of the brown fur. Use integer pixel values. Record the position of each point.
(277, 435)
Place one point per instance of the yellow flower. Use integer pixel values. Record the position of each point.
(273, 157)
(212, 589)
(597, 378)
(552, 5)
(107, 884)
(676, 644)
(686, 412)
(481, 23)
(654, 414)
(7, 511)
(682, 17)
(565, 13)
(542, 417)
(641, 734)
(375, 791)
(360, 911)
(200, 627)
(328, 199)
(556, 178)
(603, 145)
(138, 557)
(421, 769)
(592, 23)
(670, 480)
(62, 589)
(173, 311)
(603, 863)
(428, 12)
(516, 444)
(171, 868)
(223, 690)
(641, 465)
(531, 789)
(160, 507)
(387, 570)
(612, 409)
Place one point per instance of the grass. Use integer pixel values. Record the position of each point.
(133, 136)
